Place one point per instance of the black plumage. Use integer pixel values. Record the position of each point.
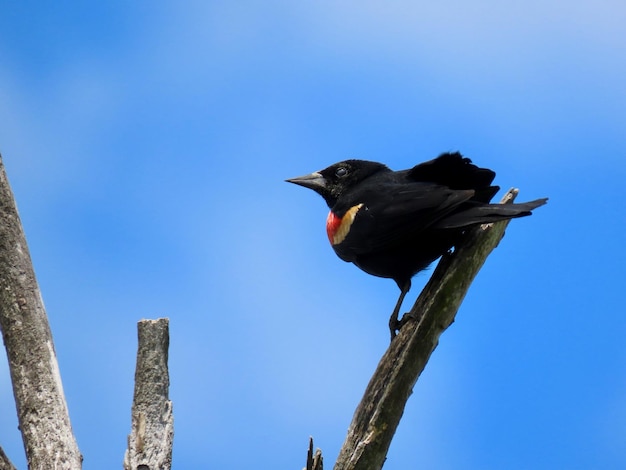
(394, 224)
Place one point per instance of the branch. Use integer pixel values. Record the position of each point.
(314, 461)
(41, 407)
(377, 416)
(152, 431)
(5, 463)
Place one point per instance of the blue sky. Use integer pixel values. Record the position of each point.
(147, 144)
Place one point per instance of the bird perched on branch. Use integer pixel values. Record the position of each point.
(394, 224)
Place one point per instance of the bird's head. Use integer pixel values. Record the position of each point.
(333, 182)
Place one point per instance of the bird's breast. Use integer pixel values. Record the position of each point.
(337, 227)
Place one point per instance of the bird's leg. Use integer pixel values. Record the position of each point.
(394, 323)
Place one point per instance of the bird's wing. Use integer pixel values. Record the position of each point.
(452, 170)
(401, 211)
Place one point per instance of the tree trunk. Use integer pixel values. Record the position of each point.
(41, 408)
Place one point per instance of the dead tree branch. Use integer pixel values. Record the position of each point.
(314, 460)
(5, 463)
(377, 416)
(152, 433)
(41, 408)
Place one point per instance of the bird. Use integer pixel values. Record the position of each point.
(394, 224)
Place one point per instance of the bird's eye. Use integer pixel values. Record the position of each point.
(341, 172)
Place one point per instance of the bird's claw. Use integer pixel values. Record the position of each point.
(395, 325)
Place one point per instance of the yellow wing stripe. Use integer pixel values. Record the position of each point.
(338, 229)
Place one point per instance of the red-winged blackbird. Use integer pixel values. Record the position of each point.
(395, 223)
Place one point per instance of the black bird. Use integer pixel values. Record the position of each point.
(393, 224)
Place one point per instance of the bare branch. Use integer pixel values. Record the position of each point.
(152, 432)
(5, 463)
(314, 461)
(377, 416)
(41, 407)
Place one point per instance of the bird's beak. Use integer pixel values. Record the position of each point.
(314, 181)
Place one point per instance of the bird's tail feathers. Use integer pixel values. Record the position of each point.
(486, 214)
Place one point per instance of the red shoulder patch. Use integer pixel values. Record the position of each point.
(338, 228)
(332, 225)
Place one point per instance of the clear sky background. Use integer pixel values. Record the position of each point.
(147, 144)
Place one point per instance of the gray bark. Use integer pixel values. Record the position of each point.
(377, 416)
(41, 408)
(152, 431)
(5, 463)
(314, 460)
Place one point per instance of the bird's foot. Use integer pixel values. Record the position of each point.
(408, 316)
(395, 325)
